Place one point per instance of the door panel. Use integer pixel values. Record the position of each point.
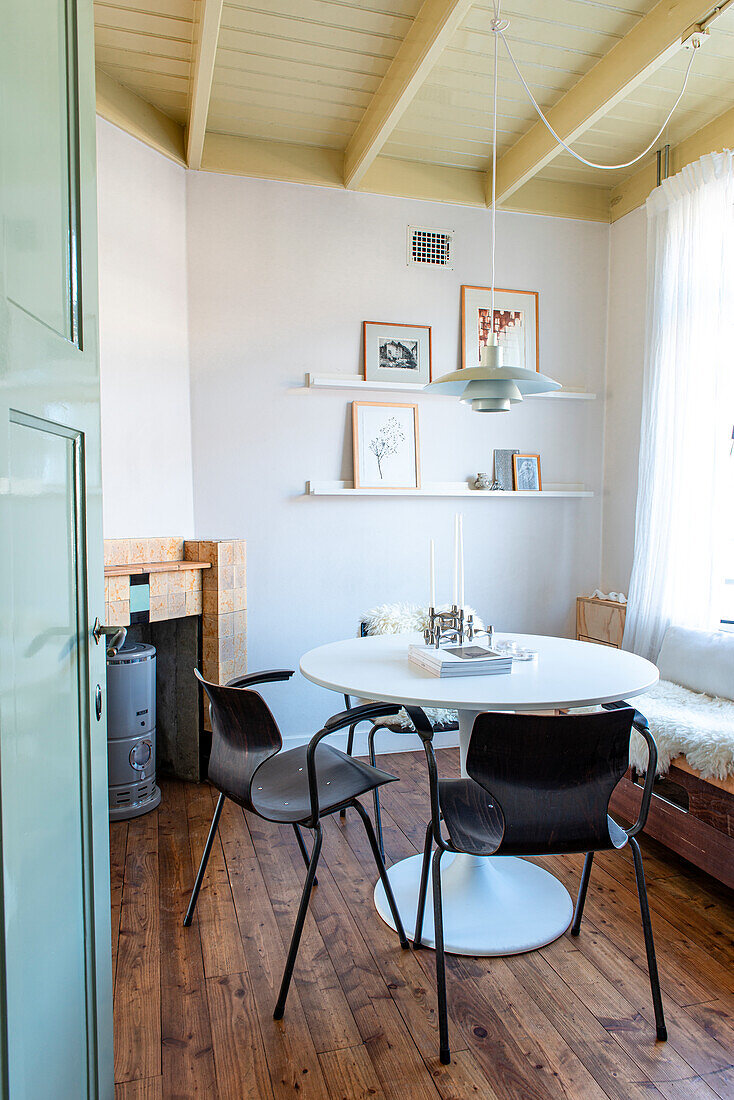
(42, 766)
(39, 224)
(55, 966)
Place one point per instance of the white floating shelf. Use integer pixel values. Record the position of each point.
(440, 489)
(356, 382)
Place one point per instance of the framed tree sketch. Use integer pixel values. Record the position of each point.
(515, 321)
(385, 440)
(396, 353)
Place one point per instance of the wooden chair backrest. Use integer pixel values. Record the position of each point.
(551, 777)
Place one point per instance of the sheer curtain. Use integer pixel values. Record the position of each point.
(682, 497)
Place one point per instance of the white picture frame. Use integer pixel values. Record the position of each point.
(515, 320)
(385, 443)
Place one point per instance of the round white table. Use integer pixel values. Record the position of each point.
(491, 905)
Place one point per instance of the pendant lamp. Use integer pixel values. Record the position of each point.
(493, 387)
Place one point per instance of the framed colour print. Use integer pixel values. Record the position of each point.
(515, 321)
(396, 353)
(385, 441)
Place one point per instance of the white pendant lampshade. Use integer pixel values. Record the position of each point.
(492, 387)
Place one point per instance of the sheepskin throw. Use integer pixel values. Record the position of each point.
(410, 618)
(701, 727)
(405, 618)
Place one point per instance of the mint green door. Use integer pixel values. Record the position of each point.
(55, 975)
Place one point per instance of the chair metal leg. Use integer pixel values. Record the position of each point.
(204, 860)
(350, 747)
(376, 793)
(581, 899)
(298, 927)
(304, 850)
(383, 873)
(652, 966)
(418, 934)
(443, 1015)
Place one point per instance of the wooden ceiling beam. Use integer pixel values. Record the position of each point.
(136, 116)
(714, 137)
(649, 44)
(201, 87)
(432, 29)
(408, 179)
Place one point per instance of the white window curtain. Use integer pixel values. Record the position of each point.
(683, 503)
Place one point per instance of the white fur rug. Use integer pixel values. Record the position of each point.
(701, 727)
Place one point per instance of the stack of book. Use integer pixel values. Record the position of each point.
(460, 660)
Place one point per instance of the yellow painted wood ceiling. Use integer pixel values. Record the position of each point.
(305, 72)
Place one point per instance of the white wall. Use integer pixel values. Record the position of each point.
(625, 357)
(146, 416)
(280, 279)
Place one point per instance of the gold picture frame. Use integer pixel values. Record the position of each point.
(525, 473)
(386, 446)
(518, 309)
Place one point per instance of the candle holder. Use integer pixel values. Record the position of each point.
(452, 627)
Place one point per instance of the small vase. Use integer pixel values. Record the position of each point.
(483, 481)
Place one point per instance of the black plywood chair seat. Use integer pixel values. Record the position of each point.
(537, 785)
(280, 792)
(297, 787)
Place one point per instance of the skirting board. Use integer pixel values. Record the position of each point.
(385, 741)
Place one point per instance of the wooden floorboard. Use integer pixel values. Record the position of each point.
(138, 993)
(573, 1021)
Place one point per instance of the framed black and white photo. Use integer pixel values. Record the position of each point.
(385, 440)
(514, 320)
(396, 353)
(526, 473)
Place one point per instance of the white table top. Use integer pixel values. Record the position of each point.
(566, 674)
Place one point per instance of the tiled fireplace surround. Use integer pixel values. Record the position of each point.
(154, 580)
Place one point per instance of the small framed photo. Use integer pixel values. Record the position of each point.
(526, 473)
(503, 472)
(385, 440)
(515, 321)
(396, 353)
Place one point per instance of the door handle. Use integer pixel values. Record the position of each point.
(98, 701)
(117, 635)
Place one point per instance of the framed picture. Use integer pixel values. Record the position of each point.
(515, 321)
(503, 472)
(526, 472)
(396, 353)
(385, 440)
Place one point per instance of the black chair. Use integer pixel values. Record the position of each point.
(443, 725)
(536, 785)
(297, 787)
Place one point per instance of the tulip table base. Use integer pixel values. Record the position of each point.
(492, 905)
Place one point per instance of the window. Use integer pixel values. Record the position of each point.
(728, 609)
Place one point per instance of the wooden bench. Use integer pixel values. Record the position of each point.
(692, 815)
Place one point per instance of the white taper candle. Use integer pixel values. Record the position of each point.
(461, 560)
(456, 558)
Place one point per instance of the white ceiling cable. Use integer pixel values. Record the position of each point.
(499, 26)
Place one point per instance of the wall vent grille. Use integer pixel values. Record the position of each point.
(430, 246)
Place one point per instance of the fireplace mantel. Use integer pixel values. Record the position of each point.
(156, 579)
